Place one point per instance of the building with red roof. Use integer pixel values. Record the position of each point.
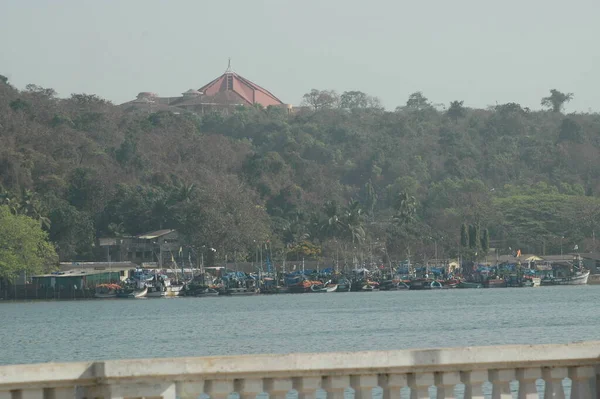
(221, 94)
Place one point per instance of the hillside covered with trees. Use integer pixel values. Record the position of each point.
(340, 179)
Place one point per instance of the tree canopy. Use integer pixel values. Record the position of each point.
(24, 246)
(338, 178)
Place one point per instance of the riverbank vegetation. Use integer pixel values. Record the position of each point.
(339, 179)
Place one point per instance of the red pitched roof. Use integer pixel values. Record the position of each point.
(249, 93)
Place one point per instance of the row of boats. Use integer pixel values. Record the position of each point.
(145, 284)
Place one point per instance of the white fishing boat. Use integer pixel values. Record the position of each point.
(578, 278)
(331, 288)
(138, 293)
(156, 292)
(175, 290)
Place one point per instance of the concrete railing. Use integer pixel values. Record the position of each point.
(542, 371)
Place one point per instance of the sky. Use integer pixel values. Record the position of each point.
(480, 51)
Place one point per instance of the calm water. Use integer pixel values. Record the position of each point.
(32, 332)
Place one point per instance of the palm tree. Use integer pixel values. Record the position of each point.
(406, 209)
(353, 222)
(332, 225)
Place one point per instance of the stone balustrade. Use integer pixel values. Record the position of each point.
(522, 371)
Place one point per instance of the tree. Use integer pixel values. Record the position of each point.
(72, 232)
(474, 239)
(406, 209)
(24, 246)
(456, 110)
(47, 93)
(3, 79)
(485, 241)
(464, 236)
(357, 100)
(570, 131)
(320, 99)
(418, 102)
(556, 100)
(353, 222)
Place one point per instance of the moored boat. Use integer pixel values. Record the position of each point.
(156, 291)
(594, 279)
(207, 292)
(495, 283)
(132, 293)
(106, 291)
(469, 284)
(175, 290)
(578, 278)
(424, 284)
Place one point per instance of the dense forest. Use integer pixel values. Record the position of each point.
(342, 178)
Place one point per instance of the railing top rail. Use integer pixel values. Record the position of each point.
(307, 364)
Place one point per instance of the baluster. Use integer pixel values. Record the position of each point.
(394, 386)
(419, 385)
(363, 385)
(528, 382)
(32, 394)
(474, 381)
(335, 386)
(280, 387)
(500, 380)
(583, 382)
(250, 388)
(307, 387)
(445, 383)
(219, 389)
(63, 393)
(189, 389)
(553, 378)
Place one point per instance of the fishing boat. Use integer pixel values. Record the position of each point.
(451, 283)
(156, 291)
(106, 291)
(424, 284)
(594, 279)
(577, 278)
(495, 283)
(132, 293)
(317, 288)
(331, 288)
(239, 292)
(175, 290)
(469, 284)
(343, 285)
(207, 292)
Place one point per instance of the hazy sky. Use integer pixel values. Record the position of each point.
(479, 51)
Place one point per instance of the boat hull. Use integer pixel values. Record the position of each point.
(105, 296)
(580, 279)
(495, 283)
(174, 290)
(466, 284)
(343, 288)
(133, 294)
(594, 279)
